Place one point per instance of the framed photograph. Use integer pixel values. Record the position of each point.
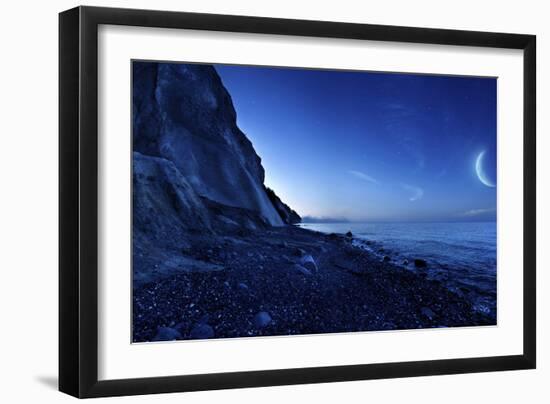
(250, 201)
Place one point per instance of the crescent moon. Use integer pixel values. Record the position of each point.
(480, 173)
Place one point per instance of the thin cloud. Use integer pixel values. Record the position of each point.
(397, 110)
(477, 212)
(363, 176)
(417, 192)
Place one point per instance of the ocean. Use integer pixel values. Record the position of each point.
(463, 256)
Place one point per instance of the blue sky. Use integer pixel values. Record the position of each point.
(371, 146)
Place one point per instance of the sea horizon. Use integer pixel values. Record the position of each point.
(342, 221)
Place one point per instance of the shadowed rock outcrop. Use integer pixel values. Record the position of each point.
(183, 113)
(194, 170)
(288, 215)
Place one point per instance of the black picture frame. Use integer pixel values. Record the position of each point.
(78, 201)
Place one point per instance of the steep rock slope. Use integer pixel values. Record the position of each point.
(183, 115)
(288, 215)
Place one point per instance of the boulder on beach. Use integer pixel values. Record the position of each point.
(386, 258)
(201, 331)
(308, 262)
(426, 311)
(420, 263)
(262, 319)
(166, 334)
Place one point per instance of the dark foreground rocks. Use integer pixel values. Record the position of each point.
(286, 281)
(420, 263)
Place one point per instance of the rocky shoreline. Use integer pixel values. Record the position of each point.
(286, 281)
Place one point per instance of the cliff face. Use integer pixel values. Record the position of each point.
(288, 215)
(193, 168)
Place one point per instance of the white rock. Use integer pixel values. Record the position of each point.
(308, 262)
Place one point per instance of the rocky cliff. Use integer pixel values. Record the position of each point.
(288, 215)
(183, 113)
(193, 168)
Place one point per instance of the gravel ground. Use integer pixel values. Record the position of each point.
(289, 281)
